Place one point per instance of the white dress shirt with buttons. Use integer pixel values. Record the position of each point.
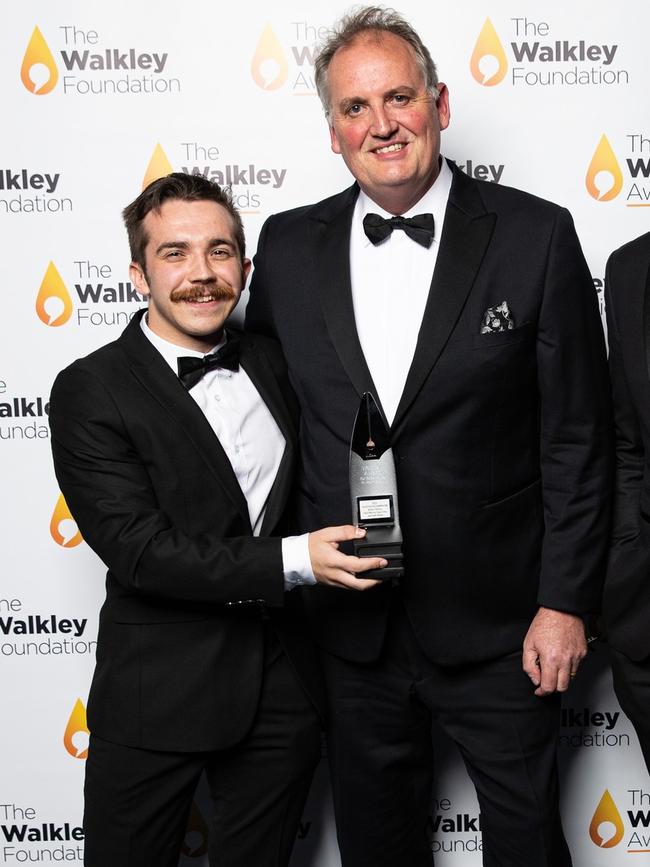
(251, 439)
(390, 288)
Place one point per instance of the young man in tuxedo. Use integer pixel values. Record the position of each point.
(626, 603)
(468, 310)
(174, 447)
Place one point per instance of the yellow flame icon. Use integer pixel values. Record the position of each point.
(75, 737)
(63, 526)
(53, 302)
(606, 828)
(38, 71)
(159, 166)
(604, 177)
(488, 62)
(196, 834)
(269, 65)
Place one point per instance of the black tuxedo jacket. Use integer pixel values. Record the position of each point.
(502, 441)
(626, 605)
(179, 666)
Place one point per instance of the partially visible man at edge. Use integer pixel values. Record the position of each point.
(626, 602)
(468, 310)
(175, 448)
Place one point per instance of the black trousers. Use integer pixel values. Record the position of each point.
(381, 755)
(137, 801)
(632, 687)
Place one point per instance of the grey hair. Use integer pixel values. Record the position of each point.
(361, 20)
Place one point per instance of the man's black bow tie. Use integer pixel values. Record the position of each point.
(418, 228)
(192, 370)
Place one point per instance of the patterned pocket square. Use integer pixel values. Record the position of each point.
(497, 319)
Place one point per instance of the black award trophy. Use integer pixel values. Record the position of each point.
(373, 487)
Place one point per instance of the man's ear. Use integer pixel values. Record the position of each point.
(138, 278)
(334, 141)
(246, 269)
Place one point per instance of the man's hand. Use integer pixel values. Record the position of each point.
(554, 647)
(332, 567)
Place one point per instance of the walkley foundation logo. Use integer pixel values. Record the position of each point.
(29, 192)
(89, 68)
(21, 417)
(28, 837)
(453, 832)
(288, 62)
(30, 634)
(99, 299)
(609, 177)
(195, 843)
(76, 734)
(609, 827)
(590, 727)
(63, 527)
(533, 53)
(250, 183)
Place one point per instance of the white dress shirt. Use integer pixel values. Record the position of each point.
(251, 439)
(390, 288)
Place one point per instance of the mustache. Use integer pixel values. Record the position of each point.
(216, 291)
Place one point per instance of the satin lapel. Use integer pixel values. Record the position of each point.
(258, 369)
(332, 241)
(156, 376)
(466, 235)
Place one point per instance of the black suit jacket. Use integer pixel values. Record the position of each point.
(179, 666)
(502, 441)
(626, 605)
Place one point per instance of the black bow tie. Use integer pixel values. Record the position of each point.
(418, 228)
(192, 370)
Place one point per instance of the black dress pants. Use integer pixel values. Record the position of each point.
(137, 801)
(381, 754)
(632, 687)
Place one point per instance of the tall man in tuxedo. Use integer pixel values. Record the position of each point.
(476, 326)
(174, 447)
(626, 604)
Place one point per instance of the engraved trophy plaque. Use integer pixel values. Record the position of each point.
(373, 488)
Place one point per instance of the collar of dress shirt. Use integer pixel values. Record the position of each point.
(171, 352)
(434, 201)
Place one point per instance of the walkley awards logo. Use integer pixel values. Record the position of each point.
(76, 734)
(534, 53)
(53, 301)
(607, 828)
(288, 65)
(250, 183)
(63, 527)
(89, 68)
(609, 177)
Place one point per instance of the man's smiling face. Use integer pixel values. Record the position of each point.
(383, 120)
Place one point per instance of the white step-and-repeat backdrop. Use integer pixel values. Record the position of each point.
(98, 98)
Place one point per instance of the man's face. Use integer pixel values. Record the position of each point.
(194, 275)
(383, 121)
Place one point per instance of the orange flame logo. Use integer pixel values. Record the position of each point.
(606, 829)
(53, 302)
(75, 737)
(38, 71)
(63, 526)
(488, 62)
(196, 834)
(159, 167)
(269, 65)
(604, 177)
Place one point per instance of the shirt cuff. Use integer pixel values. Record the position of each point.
(296, 562)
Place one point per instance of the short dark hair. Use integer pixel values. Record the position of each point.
(375, 19)
(187, 188)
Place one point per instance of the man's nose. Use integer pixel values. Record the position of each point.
(383, 125)
(200, 270)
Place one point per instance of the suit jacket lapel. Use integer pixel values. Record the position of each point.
(156, 376)
(257, 367)
(334, 286)
(466, 235)
(646, 321)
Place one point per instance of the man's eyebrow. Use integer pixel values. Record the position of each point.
(185, 245)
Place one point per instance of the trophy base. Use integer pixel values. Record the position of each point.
(393, 553)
